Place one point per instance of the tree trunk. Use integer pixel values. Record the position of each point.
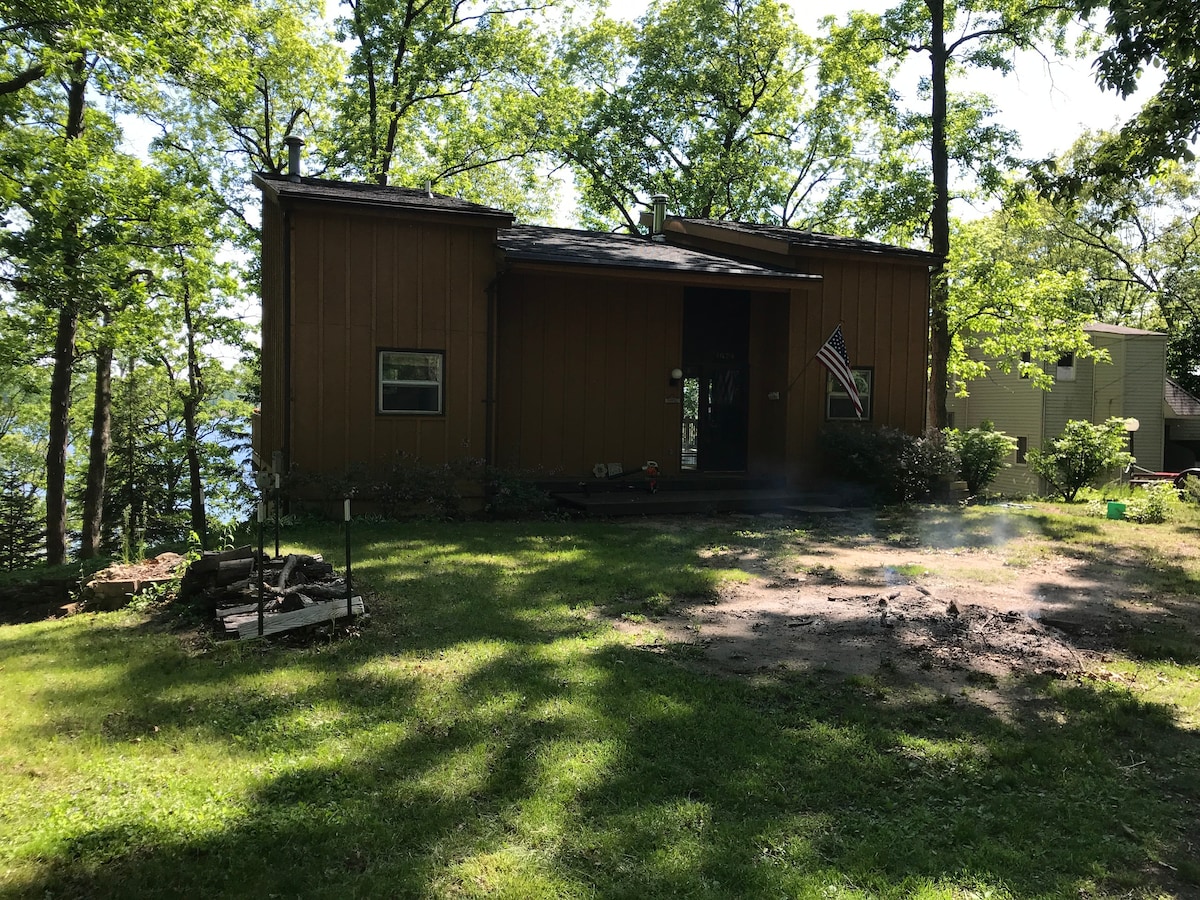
(191, 403)
(59, 436)
(101, 443)
(939, 324)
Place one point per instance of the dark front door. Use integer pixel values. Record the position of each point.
(716, 341)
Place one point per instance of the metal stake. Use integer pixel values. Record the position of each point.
(262, 513)
(349, 590)
(277, 515)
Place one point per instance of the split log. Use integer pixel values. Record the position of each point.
(292, 560)
(233, 570)
(246, 626)
(210, 561)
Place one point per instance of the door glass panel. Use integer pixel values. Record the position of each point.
(690, 457)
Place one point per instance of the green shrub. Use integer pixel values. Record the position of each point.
(1081, 454)
(1153, 503)
(900, 467)
(982, 453)
(516, 495)
(403, 488)
(1191, 490)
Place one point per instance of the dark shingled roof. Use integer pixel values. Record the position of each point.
(815, 240)
(1183, 404)
(525, 243)
(373, 195)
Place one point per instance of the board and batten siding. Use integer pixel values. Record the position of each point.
(583, 365)
(883, 308)
(363, 282)
(583, 374)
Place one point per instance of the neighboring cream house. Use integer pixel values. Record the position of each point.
(1133, 386)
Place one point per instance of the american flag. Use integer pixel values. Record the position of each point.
(835, 358)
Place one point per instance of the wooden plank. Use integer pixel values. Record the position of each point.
(247, 625)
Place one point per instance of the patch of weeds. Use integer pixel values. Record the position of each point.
(824, 574)
(656, 604)
(981, 679)
(869, 686)
(907, 570)
(634, 618)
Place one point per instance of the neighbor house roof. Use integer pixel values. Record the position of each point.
(1102, 328)
(566, 247)
(282, 187)
(796, 240)
(1180, 402)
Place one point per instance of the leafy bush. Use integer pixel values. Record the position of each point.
(982, 453)
(1081, 454)
(1190, 492)
(401, 489)
(900, 467)
(1153, 505)
(516, 495)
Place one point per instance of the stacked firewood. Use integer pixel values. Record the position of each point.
(296, 591)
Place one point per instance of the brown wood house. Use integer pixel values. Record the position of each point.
(399, 324)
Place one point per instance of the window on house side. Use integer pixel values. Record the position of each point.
(1022, 450)
(410, 381)
(1026, 358)
(837, 402)
(1066, 368)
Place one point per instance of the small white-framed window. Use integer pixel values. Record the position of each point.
(1065, 370)
(838, 404)
(411, 382)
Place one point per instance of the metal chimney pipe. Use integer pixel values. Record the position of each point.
(660, 213)
(293, 144)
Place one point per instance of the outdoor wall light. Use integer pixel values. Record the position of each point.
(676, 377)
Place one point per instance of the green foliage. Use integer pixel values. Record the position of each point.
(900, 467)
(726, 108)
(1153, 503)
(21, 527)
(982, 453)
(1139, 35)
(516, 495)
(441, 89)
(1008, 312)
(1081, 454)
(403, 488)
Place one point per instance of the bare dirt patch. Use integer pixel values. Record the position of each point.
(953, 612)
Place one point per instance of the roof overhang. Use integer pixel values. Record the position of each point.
(687, 277)
(314, 194)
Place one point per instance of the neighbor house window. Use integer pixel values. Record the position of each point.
(411, 381)
(838, 404)
(1022, 450)
(1026, 358)
(1065, 370)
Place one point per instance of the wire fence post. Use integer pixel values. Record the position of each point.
(262, 514)
(349, 590)
(276, 502)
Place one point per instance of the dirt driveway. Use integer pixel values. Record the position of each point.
(955, 600)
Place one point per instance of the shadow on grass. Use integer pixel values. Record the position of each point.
(539, 757)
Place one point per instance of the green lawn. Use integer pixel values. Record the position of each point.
(489, 733)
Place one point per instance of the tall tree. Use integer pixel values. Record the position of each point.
(1136, 240)
(726, 107)
(1140, 34)
(954, 34)
(417, 69)
(1008, 309)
